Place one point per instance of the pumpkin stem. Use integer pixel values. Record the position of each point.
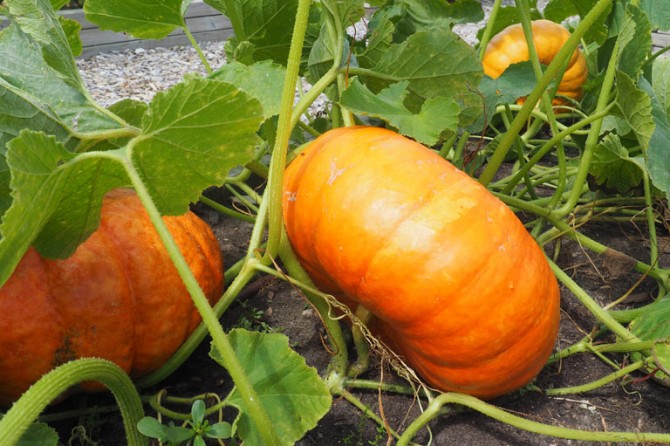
(50, 386)
(435, 408)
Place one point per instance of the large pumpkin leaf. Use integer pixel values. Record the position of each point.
(291, 392)
(559, 10)
(248, 78)
(192, 135)
(612, 166)
(140, 18)
(658, 155)
(264, 27)
(635, 106)
(634, 41)
(56, 197)
(34, 95)
(411, 16)
(436, 62)
(660, 79)
(654, 325)
(437, 114)
(38, 19)
(658, 13)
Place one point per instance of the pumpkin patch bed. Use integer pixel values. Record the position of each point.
(427, 240)
(271, 304)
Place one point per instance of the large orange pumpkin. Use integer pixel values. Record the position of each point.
(117, 297)
(509, 47)
(459, 287)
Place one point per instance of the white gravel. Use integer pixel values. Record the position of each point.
(140, 73)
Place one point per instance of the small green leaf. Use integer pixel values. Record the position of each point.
(139, 18)
(178, 434)
(292, 394)
(39, 434)
(198, 412)
(152, 428)
(192, 135)
(220, 430)
(612, 166)
(437, 114)
(262, 80)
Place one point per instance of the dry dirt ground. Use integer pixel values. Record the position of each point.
(641, 406)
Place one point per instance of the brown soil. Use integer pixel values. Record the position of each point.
(640, 406)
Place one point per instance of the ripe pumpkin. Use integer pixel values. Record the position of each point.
(457, 285)
(117, 297)
(509, 47)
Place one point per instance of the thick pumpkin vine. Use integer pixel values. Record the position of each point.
(62, 152)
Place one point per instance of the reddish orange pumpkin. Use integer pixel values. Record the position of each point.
(509, 47)
(117, 297)
(459, 287)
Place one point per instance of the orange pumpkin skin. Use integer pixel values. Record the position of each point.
(509, 47)
(118, 297)
(459, 287)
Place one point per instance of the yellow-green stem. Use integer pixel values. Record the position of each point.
(434, 408)
(24, 411)
(278, 161)
(220, 340)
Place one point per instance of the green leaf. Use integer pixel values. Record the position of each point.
(654, 325)
(198, 412)
(152, 428)
(559, 10)
(38, 19)
(71, 28)
(57, 198)
(292, 393)
(192, 135)
(411, 16)
(658, 155)
(437, 63)
(635, 107)
(262, 80)
(39, 434)
(516, 82)
(634, 41)
(612, 166)
(266, 24)
(437, 114)
(139, 18)
(658, 13)
(36, 96)
(220, 430)
(660, 79)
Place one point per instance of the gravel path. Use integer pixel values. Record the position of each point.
(140, 73)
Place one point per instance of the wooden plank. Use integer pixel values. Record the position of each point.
(92, 37)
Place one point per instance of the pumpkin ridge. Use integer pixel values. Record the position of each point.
(391, 240)
(118, 253)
